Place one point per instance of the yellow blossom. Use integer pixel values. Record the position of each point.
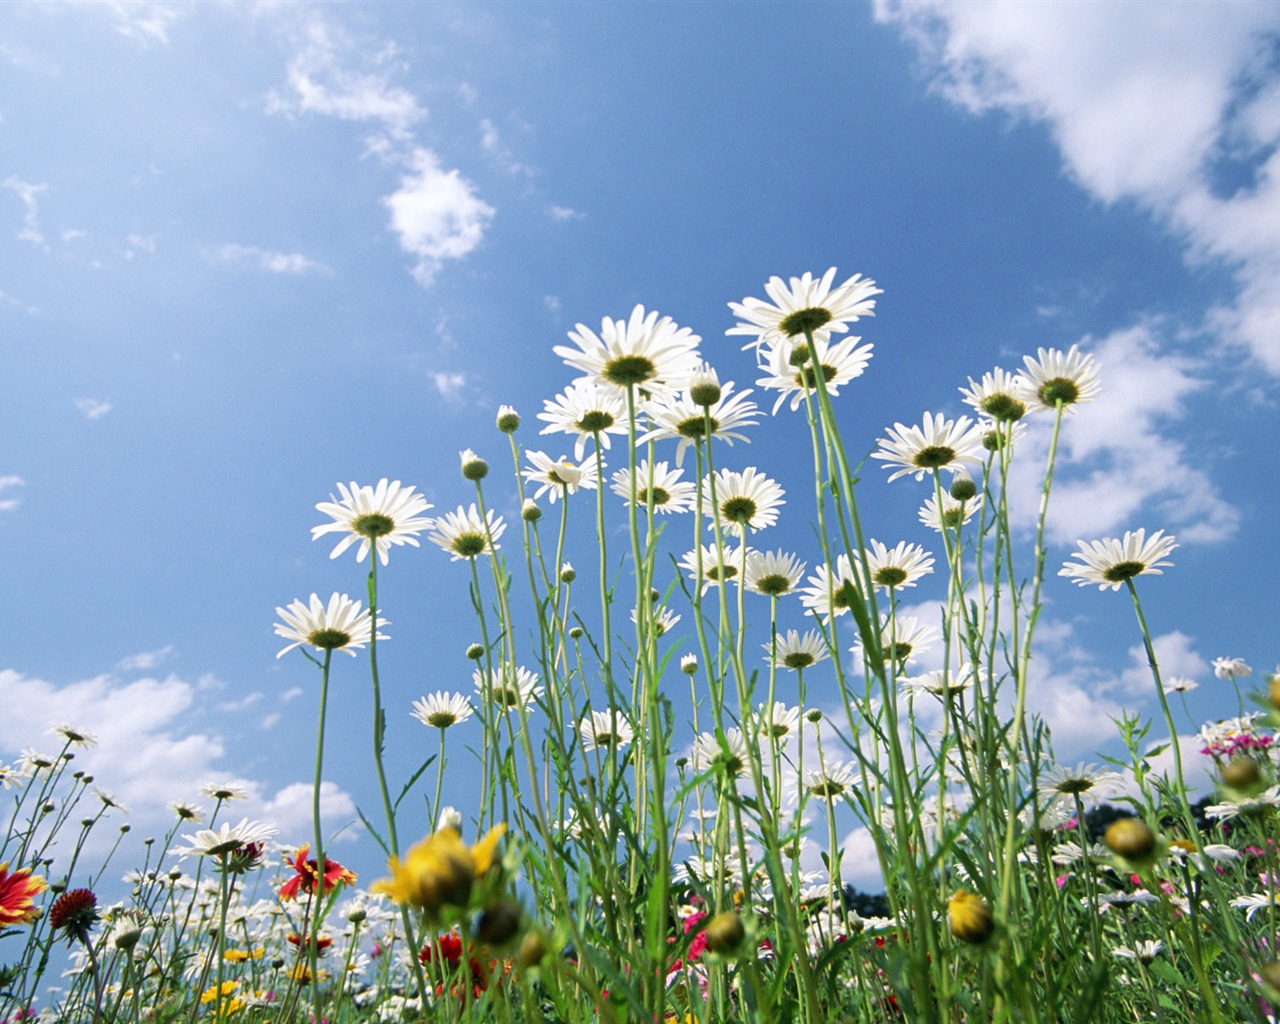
(439, 871)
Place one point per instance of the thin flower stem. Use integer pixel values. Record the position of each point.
(318, 896)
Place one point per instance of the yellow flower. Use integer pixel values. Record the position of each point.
(236, 956)
(439, 871)
(230, 1004)
(970, 917)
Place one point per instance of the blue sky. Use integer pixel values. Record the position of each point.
(250, 250)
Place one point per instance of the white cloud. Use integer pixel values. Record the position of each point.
(144, 661)
(28, 194)
(436, 214)
(449, 385)
(1174, 655)
(320, 81)
(143, 21)
(6, 483)
(1174, 106)
(1117, 466)
(92, 408)
(491, 142)
(290, 809)
(563, 213)
(269, 260)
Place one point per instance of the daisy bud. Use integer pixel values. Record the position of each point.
(475, 651)
(704, 387)
(529, 511)
(1242, 773)
(498, 922)
(575, 633)
(992, 441)
(357, 914)
(567, 574)
(725, 932)
(689, 664)
(682, 762)
(969, 917)
(508, 419)
(814, 715)
(533, 949)
(473, 467)
(962, 487)
(1132, 840)
(125, 933)
(450, 817)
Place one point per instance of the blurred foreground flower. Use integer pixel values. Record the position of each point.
(439, 871)
(18, 891)
(375, 516)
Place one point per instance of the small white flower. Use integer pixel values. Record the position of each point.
(226, 839)
(381, 516)
(442, 710)
(798, 652)
(1055, 377)
(1110, 563)
(1231, 668)
(341, 625)
(938, 443)
(605, 730)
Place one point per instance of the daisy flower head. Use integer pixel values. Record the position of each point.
(605, 730)
(646, 352)
(1056, 378)
(707, 568)
(729, 755)
(226, 839)
(938, 443)
(939, 682)
(831, 593)
(224, 791)
(187, 811)
(804, 304)
(952, 515)
(744, 501)
(777, 721)
(507, 687)
(379, 517)
(831, 780)
(772, 573)
(340, 625)
(74, 736)
(1144, 952)
(795, 651)
(663, 620)
(899, 566)
(790, 370)
(1086, 781)
(658, 487)
(999, 395)
(1180, 684)
(902, 637)
(465, 534)
(586, 410)
(679, 417)
(559, 476)
(1110, 563)
(1231, 668)
(442, 710)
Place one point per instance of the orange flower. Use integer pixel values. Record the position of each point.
(17, 895)
(308, 872)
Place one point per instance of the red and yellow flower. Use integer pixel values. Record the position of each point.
(308, 873)
(18, 892)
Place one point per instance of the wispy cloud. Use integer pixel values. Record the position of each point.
(92, 408)
(144, 661)
(28, 194)
(143, 21)
(563, 213)
(269, 260)
(449, 384)
(1102, 77)
(7, 483)
(436, 215)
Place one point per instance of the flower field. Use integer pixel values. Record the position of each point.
(672, 721)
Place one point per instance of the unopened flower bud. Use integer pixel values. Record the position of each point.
(1131, 838)
(1243, 773)
(529, 511)
(575, 632)
(475, 651)
(498, 922)
(725, 932)
(704, 387)
(533, 949)
(508, 419)
(689, 664)
(357, 914)
(969, 917)
(1273, 690)
(567, 573)
(473, 467)
(962, 487)
(814, 715)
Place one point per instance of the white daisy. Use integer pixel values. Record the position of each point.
(74, 736)
(657, 486)
(223, 791)
(1266, 801)
(714, 570)
(798, 652)
(341, 625)
(464, 534)
(605, 729)
(508, 686)
(744, 501)
(442, 710)
(831, 593)
(939, 682)
(999, 395)
(731, 755)
(790, 371)
(902, 638)
(1087, 781)
(897, 567)
(777, 720)
(586, 409)
(1231, 668)
(1110, 562)
(663, 620)
(953, 515)
(806, 303)
(381, 516)
(227, 839)
(772, 573)
(1180, 684)
(646, 352)
(938, 443)
(187, 811)
(559, 476)
(1054, 377)
(681, 418)
(831, 780)
(1143, 952)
